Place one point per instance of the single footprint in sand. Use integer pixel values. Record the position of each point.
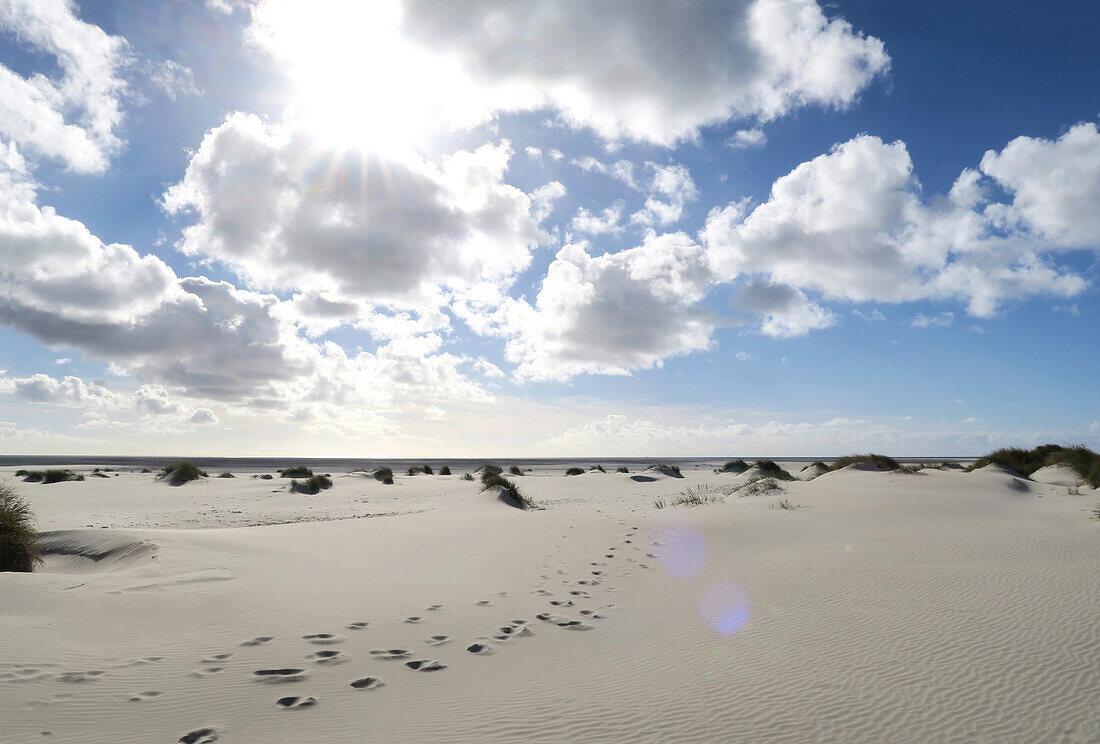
(561, 602)
(502, 594)
(573, 625)
(258, 640)
(579, 593)
(206, 672)
(329, 657)
(433, 608)
(323, 638)
(413, 619)
(437, 640)
(482, 603)
(425, 665)
(199, 736)
(543, 592)
(357, 625)
(296, 702)
(215, 658)
(592, 614)
(596, 573)
(141, 697)
(76, 677)
(481, 649)
(279, 675)
(392, 653)
(367, 683)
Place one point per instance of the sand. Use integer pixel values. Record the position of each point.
(936, 607)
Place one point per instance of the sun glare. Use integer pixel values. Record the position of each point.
(358, 83)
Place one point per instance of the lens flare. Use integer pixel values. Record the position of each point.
(682, 552)
(725, 607)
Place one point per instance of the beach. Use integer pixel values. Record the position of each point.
(935, 606)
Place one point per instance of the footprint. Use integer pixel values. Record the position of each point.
(296, 702)
(543, 592)
(579, 593)
(357, 625)
(482, 649)
(561, 602)
(393, 653)
(425, 665)
(199, 736)
(433, 608)
(597, 573)
(367, 683)
(437, 640)
(502, 594)
(215, 658)
(573, 625)
(324, 638)
(206, 672)
(413, 619)
(279, 675)
(483, 603)
(77, 677)
(329, 657)
(143, 696)
(258, 640)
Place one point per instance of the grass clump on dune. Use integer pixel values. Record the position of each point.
(673, 471)
(467, 477)
(515, 470)
(298, 471)
(784, 504)
(881, 462)
(227, 474)
(178, 473)
(50, 476)
(598, 467)
(761, 485)
(509, 490)
(445, 470)
(770, 469)
(575, 471)
(1080, 459)
(314, 484)
(697, 496)
(488, 469)
(18, 538)
(425, 469)
(622, 469)
(383, 474)
(735, 466)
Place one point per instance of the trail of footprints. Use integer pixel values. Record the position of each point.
(485, 645)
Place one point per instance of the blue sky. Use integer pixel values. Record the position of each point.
(413, 228)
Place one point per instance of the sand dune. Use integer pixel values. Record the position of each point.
(890, 607)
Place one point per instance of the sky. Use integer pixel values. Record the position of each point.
(558, 228)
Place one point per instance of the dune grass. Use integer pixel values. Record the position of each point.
(383, 474)
(508, 489)
(1079, 458)
(770, 469)
(673, 471)
(467, 477)
(515, 470)
(735, 466)
(489, 469)
(298, 471)
(18, 538)
(445, 470)
(761, 485)
(659, 503)
(622, 469)
(178, 473)
(784, 504)
(49, 476)
(226, 474)
(597, 468)
(882, 462)
(698, 495)
(314, 484)
(575, 471)
(425, 469)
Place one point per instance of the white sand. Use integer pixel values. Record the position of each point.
(939, 607)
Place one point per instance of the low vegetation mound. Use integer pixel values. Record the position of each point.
(515, 470)
(509, 491)
(227, 474)
(622, 469)
(425, 469)
(489, 469)
(769, 469)
(1080, 459)
(879, 462)
(735, 466)
(383, 474)
(178, 473)
(598, 468)
(314, 484)
(18, 538)
(48, 476)
(698, 495)
(575, 471)
(445, 470)
(672, 471)
(298, 471)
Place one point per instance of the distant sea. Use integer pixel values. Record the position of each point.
(342, 464)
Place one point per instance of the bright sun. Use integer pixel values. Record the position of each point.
(359, 84)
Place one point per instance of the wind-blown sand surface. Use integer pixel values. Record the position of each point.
(935, 607)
